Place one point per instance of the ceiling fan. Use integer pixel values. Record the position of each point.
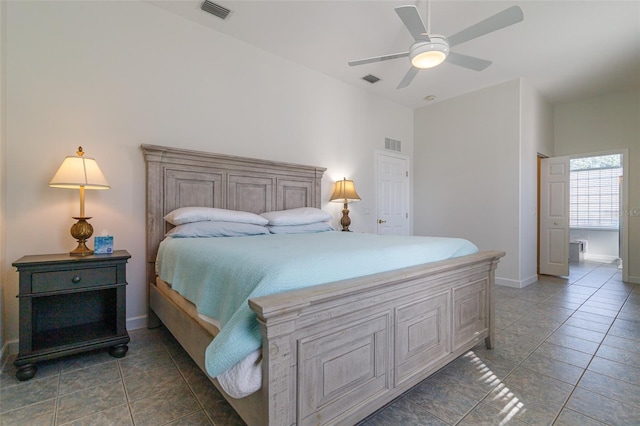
(430, 50)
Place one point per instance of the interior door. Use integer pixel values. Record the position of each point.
(554, 216)
(393, 194)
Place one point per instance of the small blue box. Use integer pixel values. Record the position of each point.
(103, 245)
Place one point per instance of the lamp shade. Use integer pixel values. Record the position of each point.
(344, 192)
(78, 171)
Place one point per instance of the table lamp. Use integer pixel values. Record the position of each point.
(80, 172)
(345, 192)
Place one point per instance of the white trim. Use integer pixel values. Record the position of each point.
(635, 280)
(11, 347)
(506, 282)
(136, 322)
(604, 258)
(4, 354)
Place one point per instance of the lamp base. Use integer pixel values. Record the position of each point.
(81, 231)
(346, 220)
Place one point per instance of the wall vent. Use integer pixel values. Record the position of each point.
(371, 78)
(392, 144)
(215, 9)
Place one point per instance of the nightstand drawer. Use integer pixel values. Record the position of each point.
(71, 279)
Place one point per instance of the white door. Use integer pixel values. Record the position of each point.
(554, 216)
(393, 194)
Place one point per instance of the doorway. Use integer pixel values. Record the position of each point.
(580, 199)
(393, 191)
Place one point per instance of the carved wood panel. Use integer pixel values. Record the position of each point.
(339, 370)
(250, 194)
(294, 193)
(422, 334)
(469, 312)
(192, 189)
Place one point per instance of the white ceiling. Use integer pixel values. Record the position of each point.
(567, 50)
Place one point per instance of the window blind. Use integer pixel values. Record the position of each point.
(594, 200)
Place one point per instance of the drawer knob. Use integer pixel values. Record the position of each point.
(75, 279)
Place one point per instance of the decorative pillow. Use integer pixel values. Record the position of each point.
(198, 214)
(207, 228)
(300, 229)
(299, 216)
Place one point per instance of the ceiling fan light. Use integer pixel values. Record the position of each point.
(428, 59)
(429, 54)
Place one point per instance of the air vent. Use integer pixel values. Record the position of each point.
(392, 144)
(371, 78)
(215, 9)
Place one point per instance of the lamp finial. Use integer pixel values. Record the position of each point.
(80, 152)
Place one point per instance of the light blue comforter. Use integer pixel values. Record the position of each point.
(219, 275)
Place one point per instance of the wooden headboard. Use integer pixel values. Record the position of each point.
(184, 178)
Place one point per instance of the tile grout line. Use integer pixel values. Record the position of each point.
(519, 364)
(56, 405)
(541, 343)
(193, 392)
(126, 393)
(564, 405)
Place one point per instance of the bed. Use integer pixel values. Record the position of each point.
(331, 353)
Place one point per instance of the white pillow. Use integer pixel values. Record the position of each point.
(301, 229)
(299, 216)
(198, 214)
(207, 229)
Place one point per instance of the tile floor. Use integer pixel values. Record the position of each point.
(567, 353)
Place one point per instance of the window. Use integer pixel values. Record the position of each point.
(594, 200)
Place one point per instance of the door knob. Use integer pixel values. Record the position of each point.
(382, 221)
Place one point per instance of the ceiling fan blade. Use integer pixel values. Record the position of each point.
(408, 77)
(412, 20)
(507, 17)
(379, 58)
(466, 61)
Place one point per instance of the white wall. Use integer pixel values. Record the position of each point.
(3, 244)
(601, 124)
(601, 245)
(475, 169)
(112, 75)
(467, 171)
(536, 133)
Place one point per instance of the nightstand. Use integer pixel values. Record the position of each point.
(70, 304)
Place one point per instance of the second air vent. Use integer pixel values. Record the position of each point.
(392, 144)
(371, 78)
(215, 9)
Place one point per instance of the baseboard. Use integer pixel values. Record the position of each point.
(532, 279)
(9, 348)
(137, 322)
(635, 280)
(516, 283)
(4, 354)
(604, 258)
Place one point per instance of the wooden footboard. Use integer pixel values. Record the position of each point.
(338, 352)
(335, 353)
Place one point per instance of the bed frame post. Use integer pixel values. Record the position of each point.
(490, 339)
(278, 366)
(153, 159)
